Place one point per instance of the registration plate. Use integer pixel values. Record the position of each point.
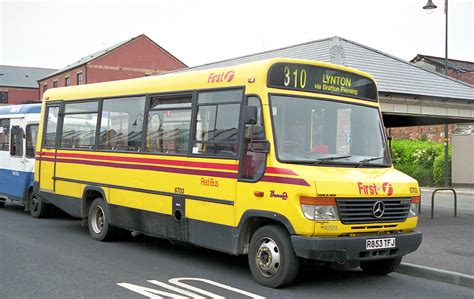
(380, 243)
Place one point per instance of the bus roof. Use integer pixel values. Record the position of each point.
(20, 109)
(232, 76)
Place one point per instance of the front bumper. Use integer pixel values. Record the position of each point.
(342, 249)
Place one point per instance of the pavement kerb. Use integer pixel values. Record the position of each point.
(452, 277)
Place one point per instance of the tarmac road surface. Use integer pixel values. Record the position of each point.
(56, 258)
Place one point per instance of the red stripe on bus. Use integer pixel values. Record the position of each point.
(274, 179)
(278, 170)
(219, 166)
(285, 180)
(146, 167)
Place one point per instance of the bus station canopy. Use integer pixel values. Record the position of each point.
(409, 94)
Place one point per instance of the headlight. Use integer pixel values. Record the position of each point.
(414, 206)
(319, 208)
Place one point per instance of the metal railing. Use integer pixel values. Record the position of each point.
(433, 197)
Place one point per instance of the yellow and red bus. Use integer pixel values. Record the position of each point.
(280, 159)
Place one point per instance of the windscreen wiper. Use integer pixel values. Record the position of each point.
(363, 162)
(329, 159)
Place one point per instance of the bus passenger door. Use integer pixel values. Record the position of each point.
(48, 150)
(16, 179)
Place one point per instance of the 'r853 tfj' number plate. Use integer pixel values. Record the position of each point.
(380, 243)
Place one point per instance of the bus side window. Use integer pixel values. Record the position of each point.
(16, 147)
(31, 137)
(4, 134)
(121, 124)
(169, 124)
(217, 122)
(79, 125)
(253, 163)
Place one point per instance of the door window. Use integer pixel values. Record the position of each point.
(253, 163)
(51, 126)
(4, 134)
(16, 145)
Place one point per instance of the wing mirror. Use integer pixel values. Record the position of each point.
(250, 115)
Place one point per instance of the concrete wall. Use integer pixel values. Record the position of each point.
(463, 159)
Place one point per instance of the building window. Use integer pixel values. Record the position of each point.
(55, 84)
(67, 81)
(80, 79)
(3, 97)
(45, 87)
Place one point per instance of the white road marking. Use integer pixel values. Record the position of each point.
(182, 290)
(175, 289)
(177, 281)
(149, 292)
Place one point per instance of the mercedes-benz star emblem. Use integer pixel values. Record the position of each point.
(378, 209)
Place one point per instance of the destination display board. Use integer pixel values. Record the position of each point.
(320, 79)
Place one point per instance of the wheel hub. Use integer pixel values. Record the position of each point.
(98, 220)
(268, 257)
(34, 204)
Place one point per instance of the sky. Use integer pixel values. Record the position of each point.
(53, 34)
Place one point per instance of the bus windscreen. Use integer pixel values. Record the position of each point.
(311, 78)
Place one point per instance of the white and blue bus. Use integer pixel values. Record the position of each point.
(18, 134)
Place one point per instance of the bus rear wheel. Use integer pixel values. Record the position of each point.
(380, 267)
(38, 208)
(99, 221)
(2, 202)
(271, 257)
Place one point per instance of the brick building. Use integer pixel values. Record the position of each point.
(19, 84)
(458, 69)
(133, 58)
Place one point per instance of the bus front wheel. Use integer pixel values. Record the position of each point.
(99, 221)
(2, 202)
(380, 267)
(271, 257)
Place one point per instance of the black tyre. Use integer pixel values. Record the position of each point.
(99, 221)
(38, 208)
(2, 203)
(380, 267)
(271, 257)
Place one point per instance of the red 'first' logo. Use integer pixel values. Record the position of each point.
(222, 77)
(387, 188)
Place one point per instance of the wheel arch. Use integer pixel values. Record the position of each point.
(254, 219)
(89, 194)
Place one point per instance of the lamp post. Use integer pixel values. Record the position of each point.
(430, 5)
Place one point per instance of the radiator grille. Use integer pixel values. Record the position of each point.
(359, 210)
